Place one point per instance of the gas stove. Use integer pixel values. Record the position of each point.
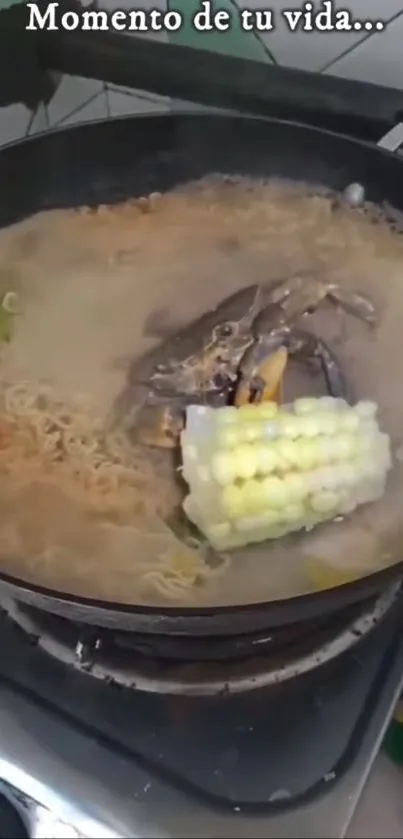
(83, 753)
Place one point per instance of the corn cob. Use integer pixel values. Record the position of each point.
(259, 472)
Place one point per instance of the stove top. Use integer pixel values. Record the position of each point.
(286, 760)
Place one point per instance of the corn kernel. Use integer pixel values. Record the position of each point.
(245, 462)
(251, 432)
(267, 459)
(253, 496)
(222, 468)
(325, 501)
(295, 485)
(232, 500)
(275, 492)
(228, 437)
(268, 409)
(305, 405)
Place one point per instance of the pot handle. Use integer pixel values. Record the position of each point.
(393, 140)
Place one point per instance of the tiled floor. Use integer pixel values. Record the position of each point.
(314, 50)
(380, 811)
(77, 100)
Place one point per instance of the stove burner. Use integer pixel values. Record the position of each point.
(263, 661)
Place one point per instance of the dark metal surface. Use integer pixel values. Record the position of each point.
(262, 666)
(80, 165)
(21, 77)
(279, 645)
(196, 766)
(220, 622)
(212, 79)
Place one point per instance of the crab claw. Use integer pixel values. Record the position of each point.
(261, 376)
(263, 368)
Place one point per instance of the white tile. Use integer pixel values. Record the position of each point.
(137, 5)
(314, 50)
(123, 103)
(71, 93)
(378, 60)
(14, 121)
(40, 121)
(152, 98)
(94, 109)
(380, 811)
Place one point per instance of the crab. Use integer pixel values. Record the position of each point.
(237, 352)
(278, 336)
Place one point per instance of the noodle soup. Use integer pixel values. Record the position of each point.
(81, 509)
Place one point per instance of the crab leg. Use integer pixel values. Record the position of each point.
(302, 293)
(354, 304)
(307, 345)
